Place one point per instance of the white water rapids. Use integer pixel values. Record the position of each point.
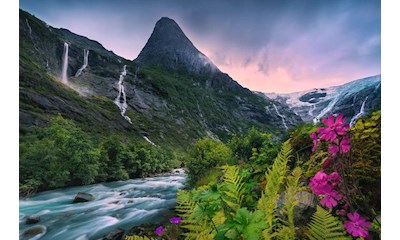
(85, 63)
(121, 204)
(65, 64)
(120, 101)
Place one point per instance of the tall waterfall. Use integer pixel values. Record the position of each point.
(121, 98)
(85, 62)
(281, 116)
(65, 64)
(358, 115)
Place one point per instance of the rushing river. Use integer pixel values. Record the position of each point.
(121, 204)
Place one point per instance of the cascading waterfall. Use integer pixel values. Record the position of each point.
(121, 99)
(65, 64)
(326, 109)
(359, 114)
(281, 116)
(311, 110)
(85, 62)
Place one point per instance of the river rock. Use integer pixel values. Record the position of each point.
(302, 211)
(32, 219)
(115, 234)
(83, 197)
(35, 231)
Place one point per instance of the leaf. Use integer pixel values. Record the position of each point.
(324, 226)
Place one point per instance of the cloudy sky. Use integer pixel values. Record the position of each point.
(270, 46)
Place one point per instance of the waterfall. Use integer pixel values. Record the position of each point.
(29, 27)
(326, 110)
(149, 141)
(281, 116)
(85, 62)
(311, 110)
(358, 115)
(120, 101)
(65, 64)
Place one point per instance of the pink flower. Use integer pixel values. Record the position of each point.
(357, 225)
(315, 141)
(175, 220)
(334, 179)
(160, 230)
(319, 183)
(334, 128)
(330, 199)
(333, 149)
(345, 145)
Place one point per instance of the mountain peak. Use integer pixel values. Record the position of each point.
(169, 47)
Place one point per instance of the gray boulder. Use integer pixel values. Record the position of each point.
(32, 219)
(83, 197)
(35, 231)
(302, 211)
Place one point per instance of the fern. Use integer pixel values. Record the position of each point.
(274, 179)
(324, 226)
(291, 200)
(137, 238)
(198, 228)
(233, 188)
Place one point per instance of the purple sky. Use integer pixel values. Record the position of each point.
(269, 46)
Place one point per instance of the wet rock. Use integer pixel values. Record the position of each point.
(115, 234)
(32, 219)
(35, 231)
(83, 197)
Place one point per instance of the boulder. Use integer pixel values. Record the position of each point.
(115, 234)
(83, 197)
(302, 211)
(35, 231)
(32, 219)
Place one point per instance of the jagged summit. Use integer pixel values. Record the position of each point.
(168, 46)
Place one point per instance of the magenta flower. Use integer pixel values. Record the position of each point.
(345, 145)
(160, 230)
(175, 220)
(334, 128)
(334, 179)
(327, 162)
(313, 136)
(333, 149)
(319, 183)
(357, 225)
(330, 199)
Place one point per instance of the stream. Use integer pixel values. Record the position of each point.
(121, 204)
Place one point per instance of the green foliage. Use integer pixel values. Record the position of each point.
(206, 154)
(243, 225)
(255, 147)
(57, 156)
(325, 226)
(233, 188)
(63, 155)
(274, 180)
(366, 162)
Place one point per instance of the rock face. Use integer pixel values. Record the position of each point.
(83, 197)
(32, 219)
(34, 232)
(168, 46)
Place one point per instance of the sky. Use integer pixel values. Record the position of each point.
(269, 46)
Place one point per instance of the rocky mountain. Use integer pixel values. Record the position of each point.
(170, 95)
(353, 99)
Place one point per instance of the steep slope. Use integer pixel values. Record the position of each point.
(353, 99)
(168, 104)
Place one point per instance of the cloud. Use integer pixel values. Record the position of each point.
(265, 45)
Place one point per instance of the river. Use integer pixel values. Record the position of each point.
(121, 204)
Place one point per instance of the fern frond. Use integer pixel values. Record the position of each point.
(291, 200)
(274, 179)
(137, 238)
(324, 226)
(196, 228)
(233, 188)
